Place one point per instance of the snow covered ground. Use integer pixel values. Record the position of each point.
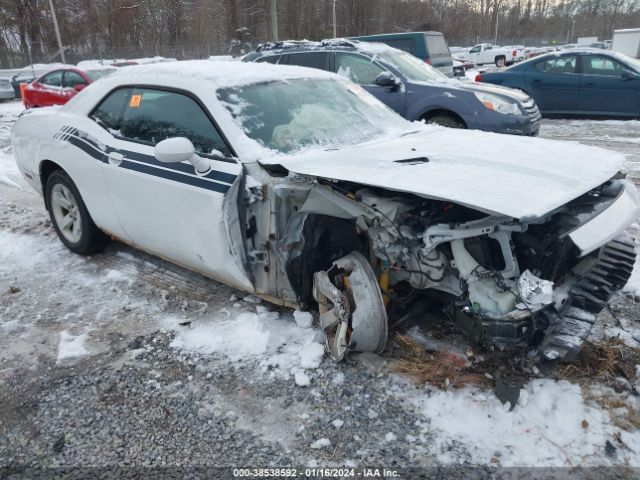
(124, 358)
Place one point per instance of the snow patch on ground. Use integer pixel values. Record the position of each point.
(553, 426)
(277, 342)
(71, 346)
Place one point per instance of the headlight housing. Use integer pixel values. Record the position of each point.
(498, 104)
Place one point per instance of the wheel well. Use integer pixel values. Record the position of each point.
(47, 167)
(324, 239)
(442, 112)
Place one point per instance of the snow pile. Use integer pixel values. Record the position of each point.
(282, 346)
(552, 425)
(321, 443)
(71, 346)
(633, 285)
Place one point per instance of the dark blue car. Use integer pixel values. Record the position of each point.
(409, 86)
(588, 82)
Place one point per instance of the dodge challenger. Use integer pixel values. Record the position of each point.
(300, 187)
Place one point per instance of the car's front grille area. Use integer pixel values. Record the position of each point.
(532, 110)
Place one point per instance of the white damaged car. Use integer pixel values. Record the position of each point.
(299, 187)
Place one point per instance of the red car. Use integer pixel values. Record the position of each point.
(58, 86)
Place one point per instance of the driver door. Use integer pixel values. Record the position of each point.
(166, 208)
(364, 71)
(70, 81)
(605, 90)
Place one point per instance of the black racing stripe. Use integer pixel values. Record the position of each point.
(179, 167)
(88, 149)
(169, 175)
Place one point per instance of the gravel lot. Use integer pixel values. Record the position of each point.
(92, 372)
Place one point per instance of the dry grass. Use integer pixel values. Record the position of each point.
(603, 360)
(441, 369)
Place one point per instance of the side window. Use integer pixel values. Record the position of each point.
(489, 47)
(599, 65)
(558, 65)
(309, 59)
(155, 115)
(405, 44)
(357, 68)
(475, 49)
(71, 79)
(109, 112)
(269, 59)
(53, 79)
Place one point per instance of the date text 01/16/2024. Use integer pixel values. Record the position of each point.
(314, 473)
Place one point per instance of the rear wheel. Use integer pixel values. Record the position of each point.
(352, 310)
(501, 61)
(70, 217)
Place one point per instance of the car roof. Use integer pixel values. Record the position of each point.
(297, 46)
(220, 74)
(399, 34)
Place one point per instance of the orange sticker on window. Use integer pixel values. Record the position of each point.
(135, 101)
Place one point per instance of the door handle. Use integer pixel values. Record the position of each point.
(115, 158)
(537, 80)
(590, 83)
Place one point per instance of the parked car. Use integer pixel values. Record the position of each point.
(409, 86)
(60, 85)
(6, 89)
(458, 52)
(485, 53)
(29, 73)
(430, 47)
(298, 186)
(577, 82)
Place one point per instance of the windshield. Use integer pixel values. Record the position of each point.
(294, 114)
(411, 67)
(97, 74)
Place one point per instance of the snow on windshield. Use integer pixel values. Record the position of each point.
(290, 115)
(411, 67)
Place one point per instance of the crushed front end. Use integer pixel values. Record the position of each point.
(512, 282)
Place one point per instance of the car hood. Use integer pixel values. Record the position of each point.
(519, 177)
(495, 89)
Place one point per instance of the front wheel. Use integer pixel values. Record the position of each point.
(352, 310)
(70, 217)
(446, 121)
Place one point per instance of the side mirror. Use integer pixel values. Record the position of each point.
(78, 87)
(629, 75)
(180, 149)
(387, 79)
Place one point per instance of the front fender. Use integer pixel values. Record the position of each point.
(459, 102)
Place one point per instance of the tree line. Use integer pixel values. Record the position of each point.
(199, 28)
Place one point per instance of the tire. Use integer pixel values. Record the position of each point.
(70, 217)
(501, 61)
(446, 121)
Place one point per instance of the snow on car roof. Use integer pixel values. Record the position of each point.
(224, 74)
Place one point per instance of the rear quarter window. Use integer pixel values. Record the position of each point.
(307, 59)
(405, 44)
(437, 46)
(269, 59)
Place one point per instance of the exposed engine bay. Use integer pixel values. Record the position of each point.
(355, 251)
